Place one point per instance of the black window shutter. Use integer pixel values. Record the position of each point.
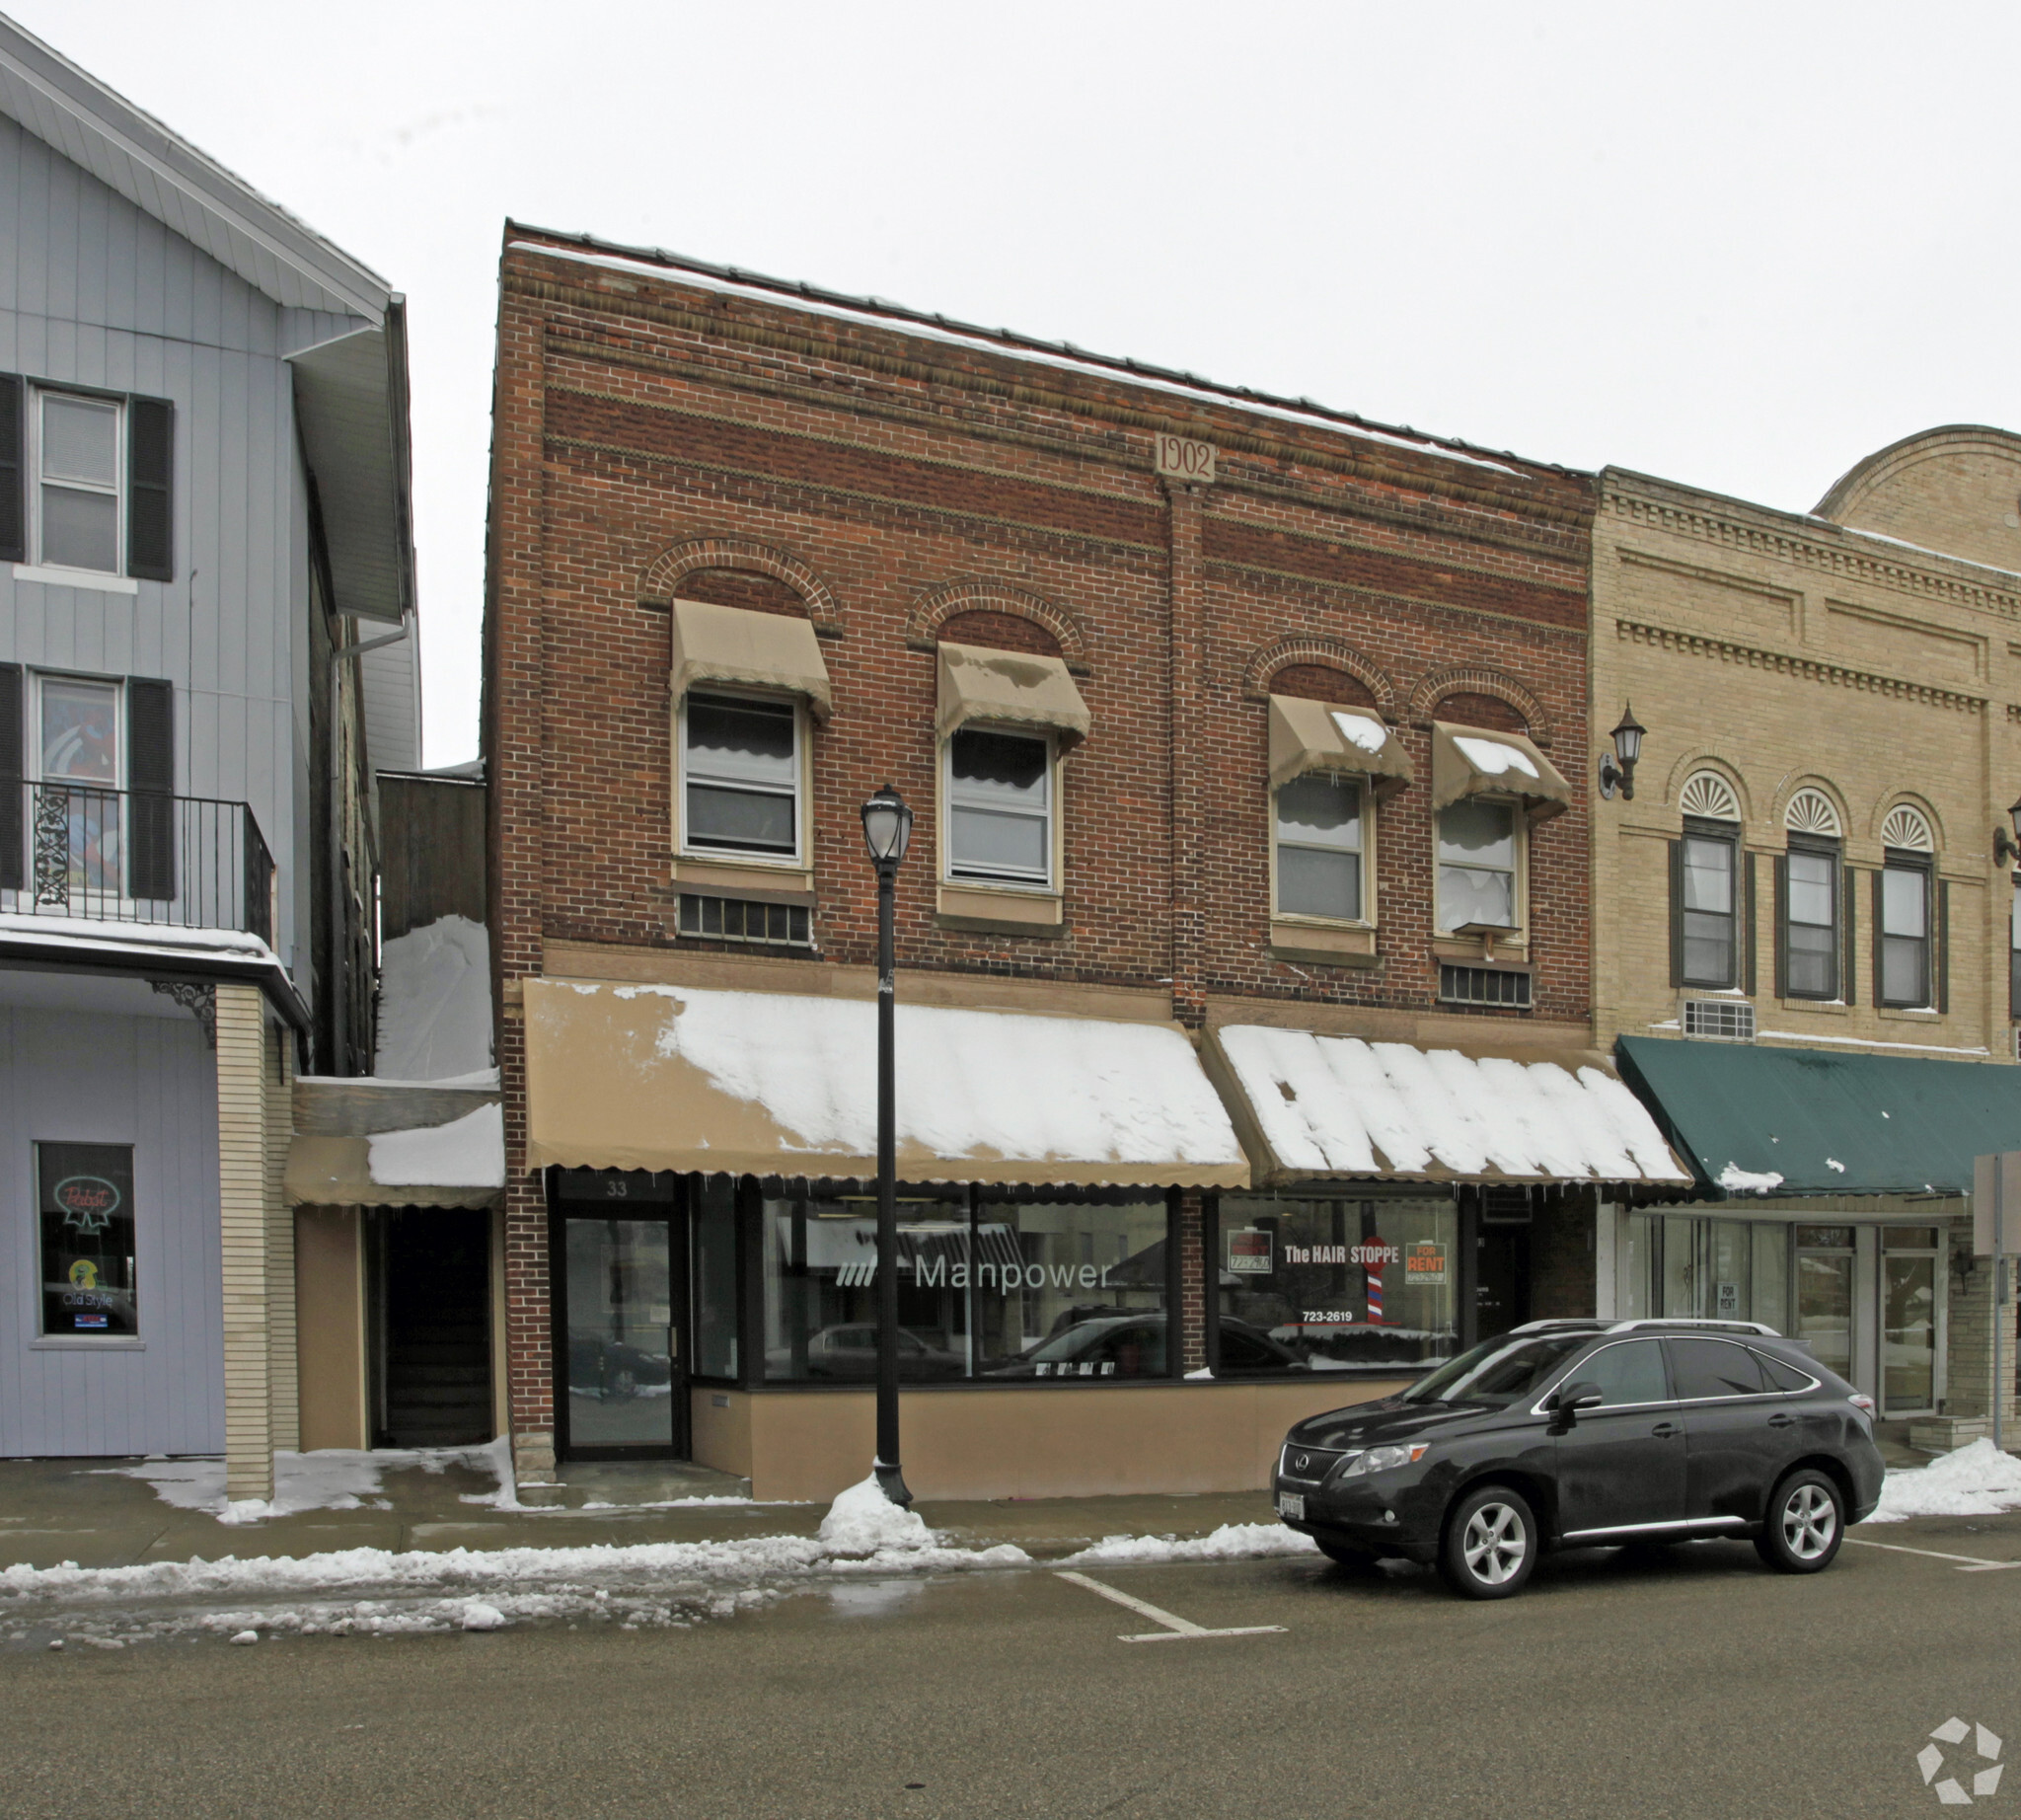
(1677, 912)
(1943, 944)
(150, 463)
(1782, 925)
(13, 469)
(1880, 927)
(1849, 905)
(151, 784)
(13, 809)
(1748, 931)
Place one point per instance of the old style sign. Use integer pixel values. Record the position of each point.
(1183, 459)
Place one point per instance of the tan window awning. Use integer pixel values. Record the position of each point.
(1472, 761)
(731, 644)
(1009, 688)
(1315, 1107)
(771, 1084)
(460, 1164)
(1322, 736)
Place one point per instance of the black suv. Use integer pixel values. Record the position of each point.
(1586, 1434)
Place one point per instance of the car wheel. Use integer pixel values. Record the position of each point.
(1490, 1543)
(1805, 1525)
(1345, 1555)
(623, 1383)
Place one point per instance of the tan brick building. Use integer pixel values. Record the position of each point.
(1808, 864)
(1234, 729)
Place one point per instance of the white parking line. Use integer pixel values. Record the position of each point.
(1176, 1628)
(1971, 1563)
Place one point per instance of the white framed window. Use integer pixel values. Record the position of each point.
(1000, 792)
(1811, 919)
(78, 732)
(78, 453)
(1711, 900)
(1481, 862)
(741, 777)
(1321, 837)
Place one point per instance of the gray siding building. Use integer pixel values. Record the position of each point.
(207, 651)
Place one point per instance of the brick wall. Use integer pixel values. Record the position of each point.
(656, 436)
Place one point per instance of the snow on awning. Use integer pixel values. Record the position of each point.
(461, 1164)
(1469, 761)
(772, 1084)
(733, 645)
(1008, 688)
(1321, 1106)
(1320, 736)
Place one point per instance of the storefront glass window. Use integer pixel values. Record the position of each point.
(1706, 1269)
(1000, 1290)
(1824, 1294)
(715, 1239)
(84, 1192)
(1335, 1284)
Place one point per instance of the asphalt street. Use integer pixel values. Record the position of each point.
(1694, 1686)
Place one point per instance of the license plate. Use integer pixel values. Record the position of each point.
(1291, 1504)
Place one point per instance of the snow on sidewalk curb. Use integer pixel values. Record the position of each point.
(1977, 1480)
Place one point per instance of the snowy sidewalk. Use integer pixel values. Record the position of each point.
(101, 1513)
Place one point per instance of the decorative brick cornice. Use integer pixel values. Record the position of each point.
(1818, 552)
(1334, 653)
(981, 595)
(665, 572)
(1476, 679)
(1689, 643)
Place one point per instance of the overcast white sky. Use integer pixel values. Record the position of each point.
(1740, 246)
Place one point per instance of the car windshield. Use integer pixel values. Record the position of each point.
(1497, 1371)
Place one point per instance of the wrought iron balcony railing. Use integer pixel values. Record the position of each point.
(133, 856)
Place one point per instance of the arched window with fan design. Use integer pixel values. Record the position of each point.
(1911, 915)
(1812, 927)
(1711, 890)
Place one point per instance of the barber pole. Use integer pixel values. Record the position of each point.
(1371, 1254)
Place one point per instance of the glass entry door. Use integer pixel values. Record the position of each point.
(1910, 1312)
(623, 1373)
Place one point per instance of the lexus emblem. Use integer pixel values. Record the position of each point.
(1302, 1461)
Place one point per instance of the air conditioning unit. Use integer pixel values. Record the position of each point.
(1720, 1020)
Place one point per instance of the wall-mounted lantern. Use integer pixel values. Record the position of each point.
(1617, 768)
(2007, 846)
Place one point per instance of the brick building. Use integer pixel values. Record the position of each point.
(1246, 742)
(1814, 886)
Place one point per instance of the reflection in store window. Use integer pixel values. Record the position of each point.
(1335, 1285)
(996, 1290)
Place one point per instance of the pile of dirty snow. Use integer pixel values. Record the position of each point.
(436, 1002)
(863, 1520)
(1977, 1480)
(1231, 1541)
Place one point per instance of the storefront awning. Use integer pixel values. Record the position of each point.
(1009, 688)
(1332, 1106)
(772, 1084)
(1471, 761)
(1760, 1121)
(733, 645)
(461, 1164)
(1317, 736)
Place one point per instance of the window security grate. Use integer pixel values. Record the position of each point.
(1484, 986)
(737, 919)
(1719, 1019)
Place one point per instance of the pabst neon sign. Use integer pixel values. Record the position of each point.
(88, 1202)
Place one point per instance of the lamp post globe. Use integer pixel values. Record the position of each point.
(887, 826)
(887, 832)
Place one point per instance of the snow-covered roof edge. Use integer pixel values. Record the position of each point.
(883, 312)
(180, 184)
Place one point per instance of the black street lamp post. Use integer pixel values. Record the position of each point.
(888, 831)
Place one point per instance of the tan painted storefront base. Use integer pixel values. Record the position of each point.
(806, 1446)
(330, 1325)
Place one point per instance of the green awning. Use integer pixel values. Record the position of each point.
(1820, 1123)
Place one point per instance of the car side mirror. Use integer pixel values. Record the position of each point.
(1576, 1396)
